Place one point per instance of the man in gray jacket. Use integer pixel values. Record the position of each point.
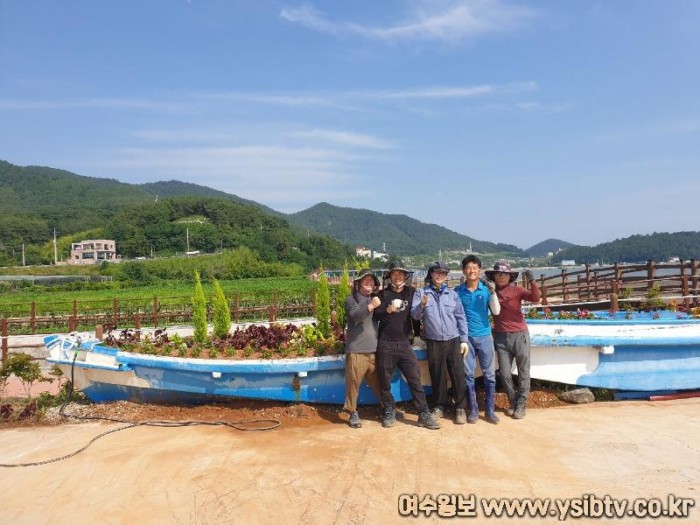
(361, 342)
(445, 334)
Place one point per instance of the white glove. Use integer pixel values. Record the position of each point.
(464, 348)
(375, 302)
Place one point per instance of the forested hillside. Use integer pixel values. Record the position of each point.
(541, 249)
(637, 248)
(176, 188)
(211, 225)
(35, 200)
(401, 234)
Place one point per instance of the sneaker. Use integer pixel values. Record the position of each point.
(519, 411)
(428, 420)
(511, 409)
(438, 412)
(354, 420)
(398, 414)
(460, 416)
(492, 418)
(389, 417)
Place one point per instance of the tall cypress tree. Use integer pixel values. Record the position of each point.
(199, 311)
(323, 304)
(222, 312)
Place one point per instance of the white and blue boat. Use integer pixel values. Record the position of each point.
(104, 373)
(643, 352)
(648, 353)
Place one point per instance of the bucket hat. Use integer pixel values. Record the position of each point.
(501, 266)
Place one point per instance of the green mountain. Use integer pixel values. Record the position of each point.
(35, 200)
(541, 249)
(637, 248)
(401, 234)
(176, 188)
(179, 224)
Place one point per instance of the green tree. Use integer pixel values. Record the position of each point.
(344, 290)
(323, 304)
(24, 367)
(199, 312)
(222, 312)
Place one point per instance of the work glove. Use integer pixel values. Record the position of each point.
(464, 348)
(489, 284)
(529, 275)
(375, 303)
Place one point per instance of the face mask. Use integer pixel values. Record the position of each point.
(398, 287)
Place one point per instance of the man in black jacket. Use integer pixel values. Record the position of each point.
(394, 348)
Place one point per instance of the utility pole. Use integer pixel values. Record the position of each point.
(188, 242)
(55, 248)
(23, 255)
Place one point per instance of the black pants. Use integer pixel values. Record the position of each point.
(445, 358)
(399, 354)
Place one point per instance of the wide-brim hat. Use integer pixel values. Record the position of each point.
(364, 273)
(502, 266)
(393, 267)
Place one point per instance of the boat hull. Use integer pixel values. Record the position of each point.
(107, 374)
(628, 355)
(639, 354)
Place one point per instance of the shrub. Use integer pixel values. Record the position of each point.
(222, 312)
(24, 367)
(323, 304)
(199, 312)
(343, 291)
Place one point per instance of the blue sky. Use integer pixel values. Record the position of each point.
(505, 121)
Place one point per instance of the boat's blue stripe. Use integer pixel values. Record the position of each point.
(596, 340)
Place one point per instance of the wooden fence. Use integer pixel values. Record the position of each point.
(158, 312)
(593, 287)
(605, 284)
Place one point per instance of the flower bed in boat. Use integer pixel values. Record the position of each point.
(277, 341)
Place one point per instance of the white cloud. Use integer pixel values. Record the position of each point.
(427, 20)
(276, 176)
(345, 138)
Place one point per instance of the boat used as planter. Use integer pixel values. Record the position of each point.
(104, 373)
(649, 352)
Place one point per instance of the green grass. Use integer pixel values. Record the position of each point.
(17, 303)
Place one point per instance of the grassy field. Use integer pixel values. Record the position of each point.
(58, 300)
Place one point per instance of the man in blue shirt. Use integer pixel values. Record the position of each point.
(445, 334)
(477, 298)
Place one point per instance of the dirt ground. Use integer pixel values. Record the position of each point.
(230, 410)
(315, 469)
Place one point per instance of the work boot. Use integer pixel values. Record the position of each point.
(389, 417)
(461, 416)
(489, 410)
(354, 420)
(473, 406)
(438, 412)
(519, 411)
(511, 407)
(428, 420)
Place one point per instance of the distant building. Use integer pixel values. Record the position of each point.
(568, 262)
(361, 251)
(93, 251)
